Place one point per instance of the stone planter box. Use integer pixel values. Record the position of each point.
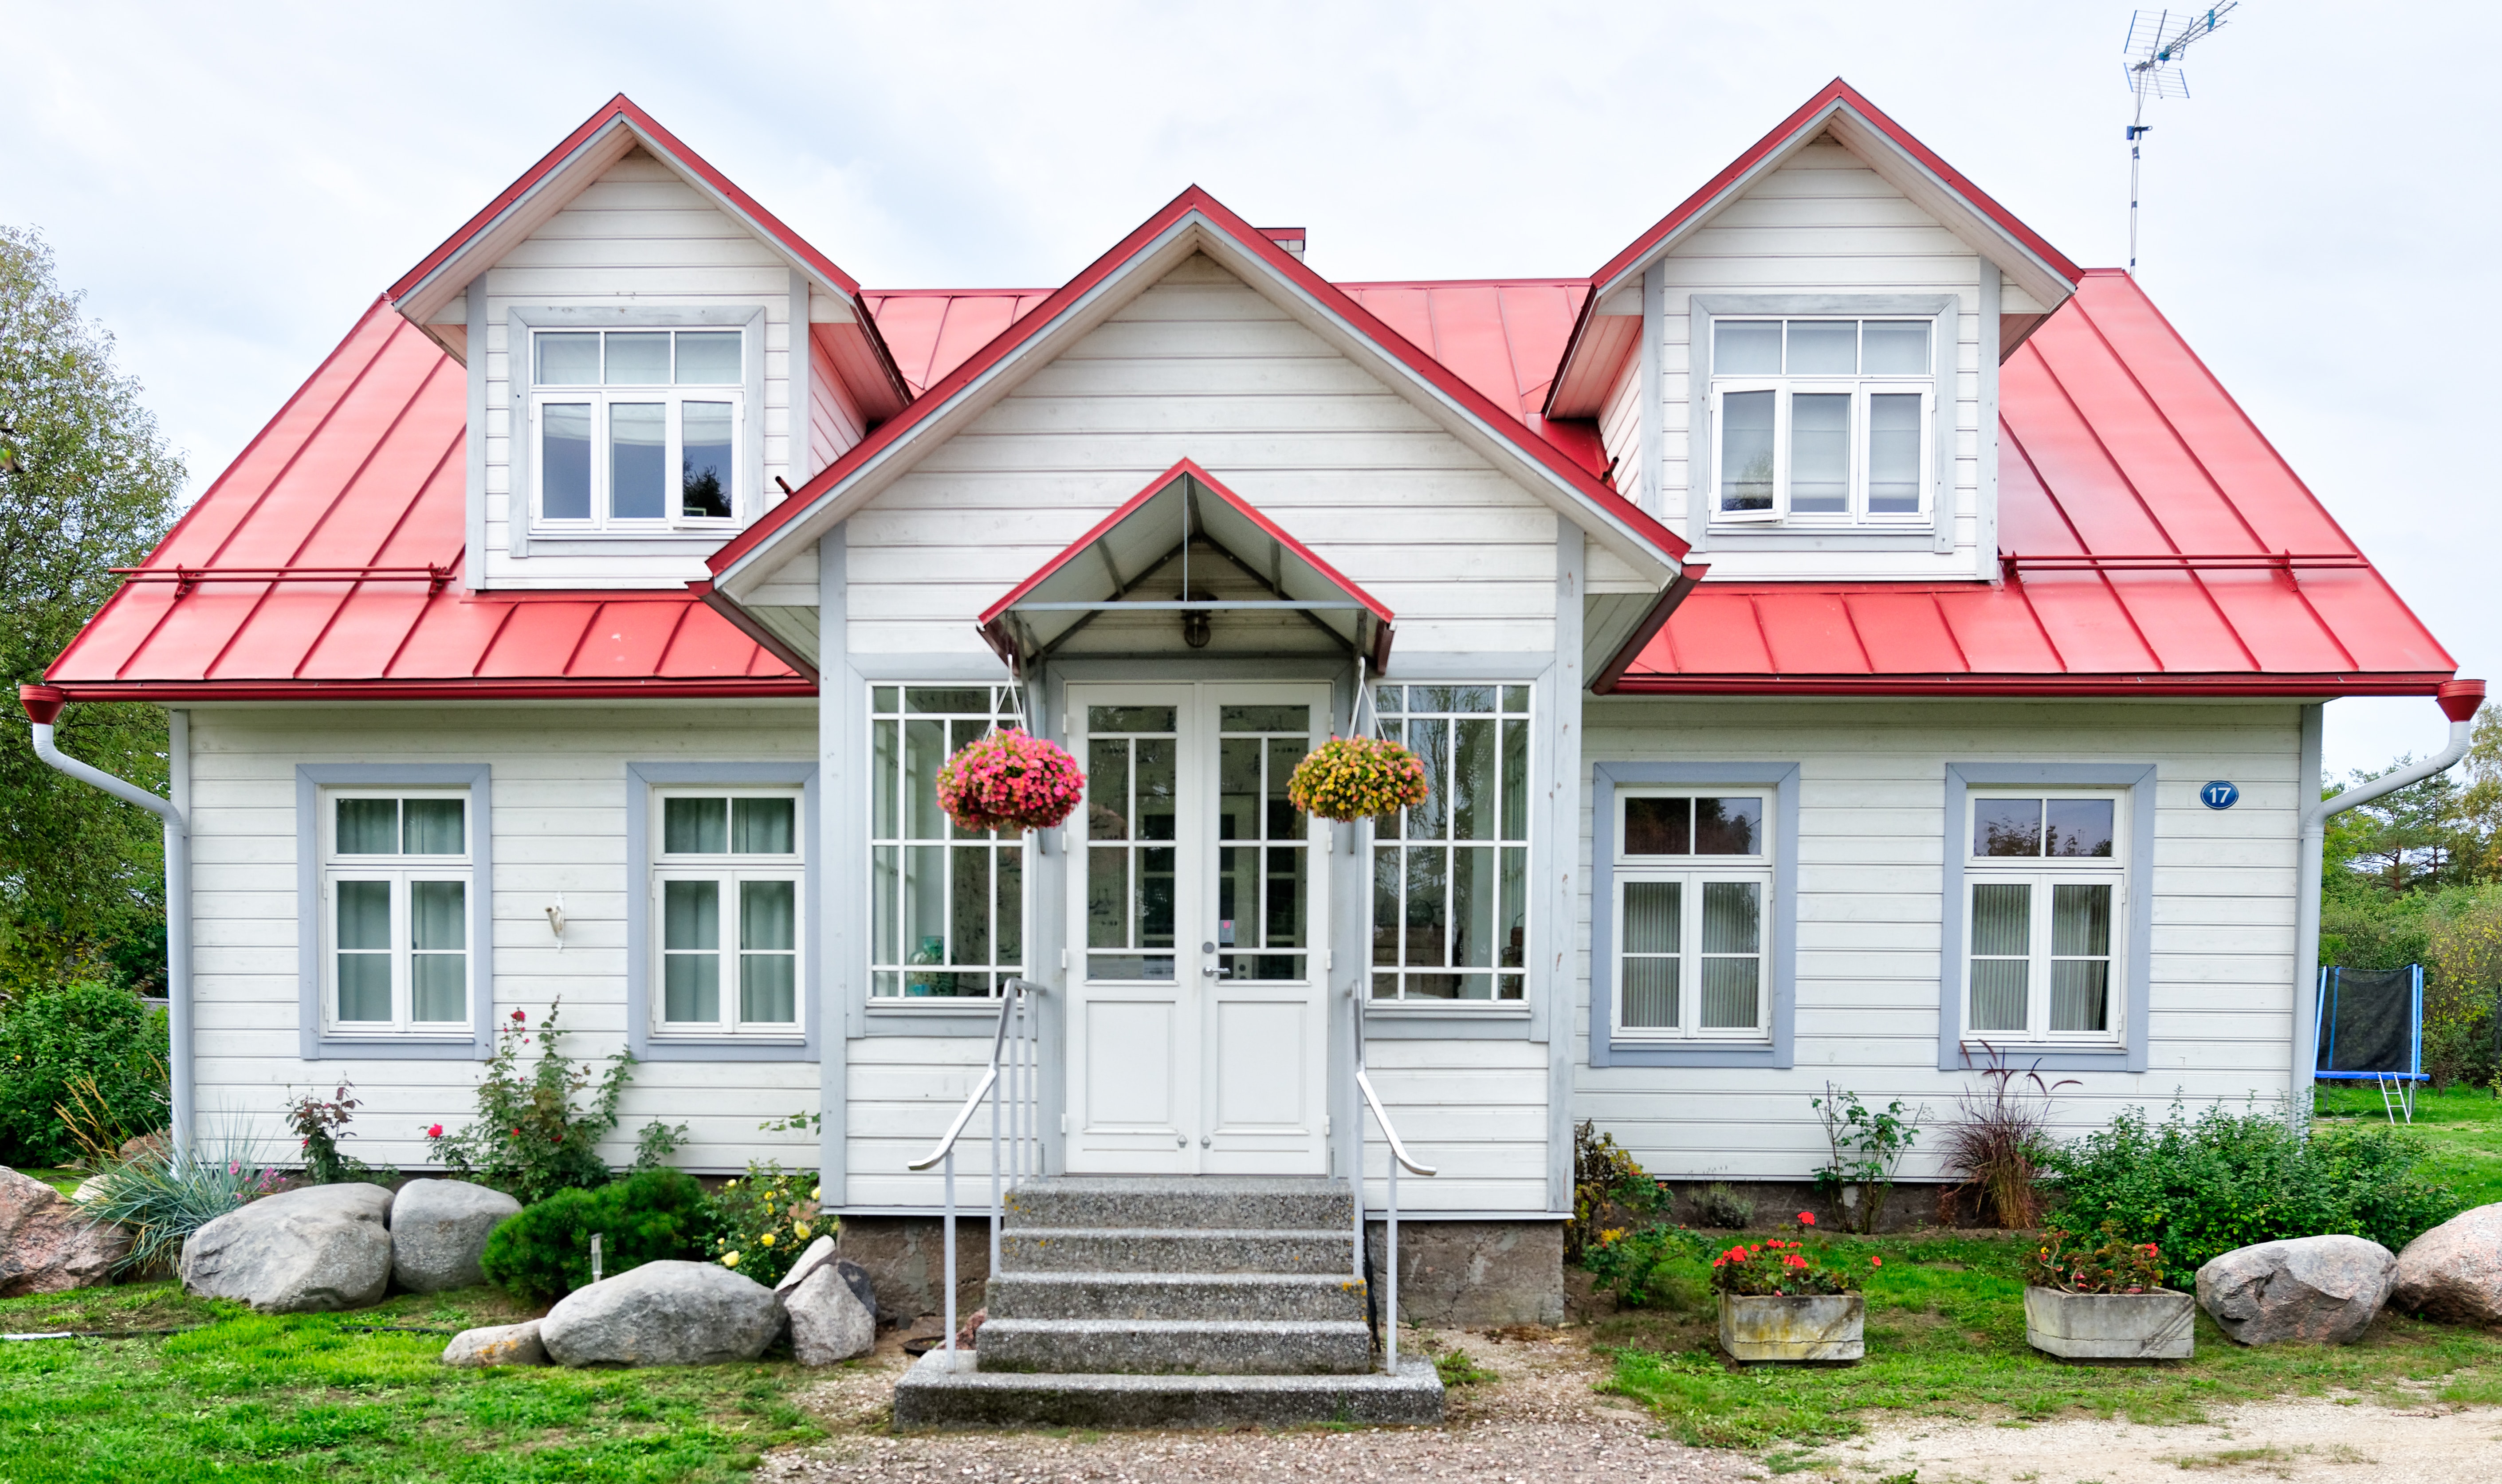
(2109, 1327)
(1812, 1327)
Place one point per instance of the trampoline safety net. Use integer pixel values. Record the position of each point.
(2370, 1021)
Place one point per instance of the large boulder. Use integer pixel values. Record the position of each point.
(2319, 1290)
(47, 1245)
(307, 1251)
(497, 1345)
(665, 1313)
(828, 1323)
(821, 1254)
(439, 1231)
(2454, 1270)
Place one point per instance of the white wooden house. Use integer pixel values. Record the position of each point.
(589, 625)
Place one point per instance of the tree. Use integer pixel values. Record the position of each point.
(86, 484)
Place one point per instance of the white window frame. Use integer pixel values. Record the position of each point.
(1860, 385)
(1693, 872)
(2042, 873)
(729, 870)
(890, 974)
(1508, 983)
(397, 870)
(601, 397)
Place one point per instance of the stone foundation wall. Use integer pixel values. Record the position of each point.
(906, 1262)
(1778, 1202)
(1474, 1274)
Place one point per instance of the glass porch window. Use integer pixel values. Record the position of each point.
(1450, 878)
(728, 878)
(2045, 900)
(946, 906)
(396, 878)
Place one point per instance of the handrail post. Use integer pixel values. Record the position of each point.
(950, 1257)
(1355, 1053)
(1390, 1303)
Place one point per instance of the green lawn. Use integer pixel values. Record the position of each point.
(2462, 1129)
(64, 1181)
(1945, 1337)
(249, 1397)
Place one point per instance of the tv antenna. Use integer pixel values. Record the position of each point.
(2155, 40)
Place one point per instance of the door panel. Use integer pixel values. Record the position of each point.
(1260, 1069)
(1130, 1051)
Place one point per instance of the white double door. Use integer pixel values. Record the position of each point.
(1197, 1029)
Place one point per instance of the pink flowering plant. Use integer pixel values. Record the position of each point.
(1010, 780)
(1778, 1266)
(1354, 778)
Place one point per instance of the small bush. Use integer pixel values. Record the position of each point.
(318, 1124)
(164, 1200)
(1999, 1136)
(759, 1225)
(530, 1139)
(1868, 1148)
(1651, 1269)
(544, 1253)
(1605, 1179)
(74, 1035)
(1723, 1205)
(2201, 1188)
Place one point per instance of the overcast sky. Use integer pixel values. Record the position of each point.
(232, 184)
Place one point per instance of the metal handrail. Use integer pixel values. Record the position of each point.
(1398, 1150)
(1398, 1155)
(1016, 1062)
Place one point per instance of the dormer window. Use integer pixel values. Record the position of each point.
(1822, 422)
(636, 429)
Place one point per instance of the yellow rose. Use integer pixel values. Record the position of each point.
(800, 1228)
(729, 1259)
(816, 1193)
(765, 1240)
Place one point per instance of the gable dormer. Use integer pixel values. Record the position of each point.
(1797, 368)
(653, 359)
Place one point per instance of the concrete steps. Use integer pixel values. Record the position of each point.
(1173, 1302)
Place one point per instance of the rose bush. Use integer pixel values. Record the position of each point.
(1009, 780)
(1354, 778)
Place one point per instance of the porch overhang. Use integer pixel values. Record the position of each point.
(1126, 564)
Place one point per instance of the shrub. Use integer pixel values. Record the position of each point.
(1605, 1179)
(74, 1035)
(2226, 1180)
(1999, 1136)
(529, 1138)
(545, 1252)
(1868, 1148)
(164, 1200)
(760, 1225)
(1724, 1205)
(1650, 1268)
(319, 1124)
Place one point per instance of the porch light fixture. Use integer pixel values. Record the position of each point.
(1196, 622)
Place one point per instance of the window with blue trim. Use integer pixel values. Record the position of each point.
(1693, 873)
(2047, 894)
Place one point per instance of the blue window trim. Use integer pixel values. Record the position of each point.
(641, 778)
(2139, 779)
(310, 778)
(1606, 1051)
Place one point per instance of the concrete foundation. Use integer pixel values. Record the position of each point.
(906, 1262)
(1474, 1274)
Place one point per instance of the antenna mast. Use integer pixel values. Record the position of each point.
(2155, 41)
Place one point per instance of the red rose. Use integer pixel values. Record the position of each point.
(434, 1132)
(1806, 1218)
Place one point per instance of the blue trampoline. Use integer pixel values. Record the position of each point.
(2370, 1030)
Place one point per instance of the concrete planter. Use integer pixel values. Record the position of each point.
(2109, 1327)
(1811, 1326)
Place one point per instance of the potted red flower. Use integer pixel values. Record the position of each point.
(2105, 1302)
(1780, 1300)
(1009, 780)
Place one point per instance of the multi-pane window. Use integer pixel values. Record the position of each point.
(396, 881)
(725, 883)
(636, 429)
(1822, 422)
(1692, 877)
(2046, 881)
(1263, 851)
(1450, 877)
(1132, 762)
(947, 904)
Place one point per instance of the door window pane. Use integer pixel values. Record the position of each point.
(690, 951)
(564, 461)
(1747, 450)
(709, 358)
(438, 914)
(1895, 346)
(431, 826)
(368, 827)
(703, 441)
(364, 949)
(638, 438)
(1894, 453)
(767, 959)
(1820, 453)
(569, 359)
(638, 358)
(1747, 348)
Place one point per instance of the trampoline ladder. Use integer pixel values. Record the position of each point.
(2397, 1095)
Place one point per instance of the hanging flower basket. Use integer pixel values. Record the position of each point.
(1354, 778)
(1010, 781)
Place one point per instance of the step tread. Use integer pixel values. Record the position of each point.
(1344, 1234)
(934, 1393)
(1078, 1327)
(1132, 1277)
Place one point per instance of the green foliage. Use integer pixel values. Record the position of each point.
(2075, 1265)
(545, 1252)
(1605, 1179)
(86, 485)
(763, 1223)
(1720, 1205)
(2201, 1188)
(1999, 1137)
(531, 1138)
(318, 1124)
(1649, 1268)
(78, 1031)
(1774, 1265)
(1457, 1368)
(1868, 1148)
(164, 1200)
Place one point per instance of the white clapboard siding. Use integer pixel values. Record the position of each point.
(559, 826)
(834, 420)
(639, 233)
(1823, 223)
(1871, 845)
(1199, 366)
(1474, 1111)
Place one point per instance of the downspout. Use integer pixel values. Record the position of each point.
(43, 705)
(2459, 699)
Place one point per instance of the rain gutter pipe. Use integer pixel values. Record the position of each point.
(43, 705)
(2458, 700)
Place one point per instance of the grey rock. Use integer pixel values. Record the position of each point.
(497, 1345)
(821, 1254)
(439, 1230)
(665, 1313)
(828, 1323)
(2453, 1272)
(308, 1251)
(2318, 1289)
(47, 1244)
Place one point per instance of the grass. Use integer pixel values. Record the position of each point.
(254, 1397)
(2462, 1129)
(1945, 1337)
(64, 1181)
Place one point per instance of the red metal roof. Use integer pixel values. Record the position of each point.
(327, 561)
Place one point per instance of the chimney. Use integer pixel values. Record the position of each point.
(1290, 238)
